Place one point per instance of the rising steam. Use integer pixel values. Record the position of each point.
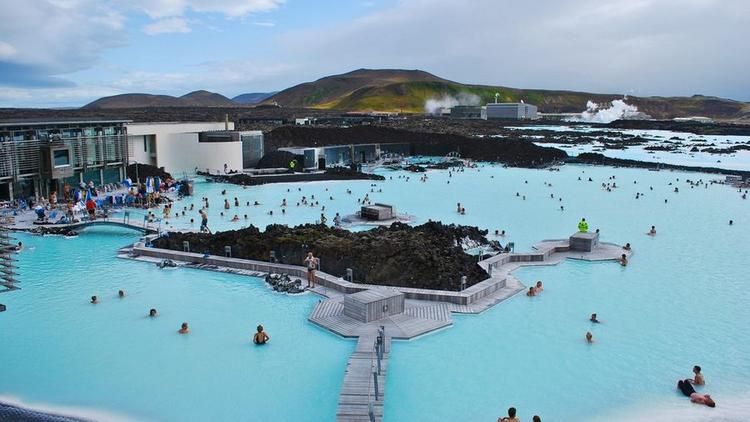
(618, 109)
(433, 105)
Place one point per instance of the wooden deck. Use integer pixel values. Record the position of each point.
(413, 322)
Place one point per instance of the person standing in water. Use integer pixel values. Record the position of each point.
(260, 337)
(312, 264)
(204, 222)
(583, 226)
(698, 379)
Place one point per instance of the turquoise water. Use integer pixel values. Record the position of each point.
(681, 301)
(60, 350)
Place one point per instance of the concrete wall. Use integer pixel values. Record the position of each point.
(178, 149)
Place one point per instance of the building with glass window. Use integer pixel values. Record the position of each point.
(39, 156)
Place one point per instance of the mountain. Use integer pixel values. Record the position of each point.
(193, 99)
(135, 100)
(409, 90)
(338, 91)
(207, 99)
(253, 97)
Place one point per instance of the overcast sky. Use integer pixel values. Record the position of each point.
(57, 53)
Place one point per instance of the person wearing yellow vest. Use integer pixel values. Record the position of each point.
(583, 226)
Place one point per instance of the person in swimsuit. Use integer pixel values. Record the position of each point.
(121, 293)
(539, 288)
(312, 263)
(624, 260)
(260, 337)
(204, 222)
(152, 313)
(184, 328)
(594, 319)
(652, 232)
(626, 247)
(511, 416)
(531, 292)
(589, 337)
(698, 379)
(687, 389)
(94, 300)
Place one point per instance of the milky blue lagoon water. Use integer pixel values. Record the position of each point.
(681, 301)
(58, 349)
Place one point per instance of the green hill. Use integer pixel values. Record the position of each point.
(408, 90)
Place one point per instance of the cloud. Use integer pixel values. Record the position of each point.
(157, 9)
(268, 24)
(6, 50)
(645, 47)
(53, 38)
(29, 76)
(167, 26)
(53, 96)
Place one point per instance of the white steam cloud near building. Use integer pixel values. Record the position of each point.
(433, 105)
(618, 109)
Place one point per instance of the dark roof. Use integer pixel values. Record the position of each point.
(58, 121)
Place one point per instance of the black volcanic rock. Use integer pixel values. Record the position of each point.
(599, 159)
(428, 256)
(512, 152)
(146, 170)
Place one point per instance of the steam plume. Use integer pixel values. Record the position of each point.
(433, 105)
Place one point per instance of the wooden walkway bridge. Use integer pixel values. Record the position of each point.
(363, 391)
(143, 227)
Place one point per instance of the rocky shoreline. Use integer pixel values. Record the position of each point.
(429, 256)
(592, 158)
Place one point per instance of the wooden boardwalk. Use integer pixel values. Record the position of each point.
(358, 392)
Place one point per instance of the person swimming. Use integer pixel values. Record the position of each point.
(589, 337)
(538, 288)
(594, 319)
(94, 300)
(184, 329)
(652, 232)
(688, 391)
(235, 218)
(121, 293)
(531, 292)
(152, 312)
(623, 260)
(261, 337)
(626, 247)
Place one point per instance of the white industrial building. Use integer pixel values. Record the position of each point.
(518, 111)
(185, 147)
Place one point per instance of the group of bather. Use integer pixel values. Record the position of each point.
(260, 337)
